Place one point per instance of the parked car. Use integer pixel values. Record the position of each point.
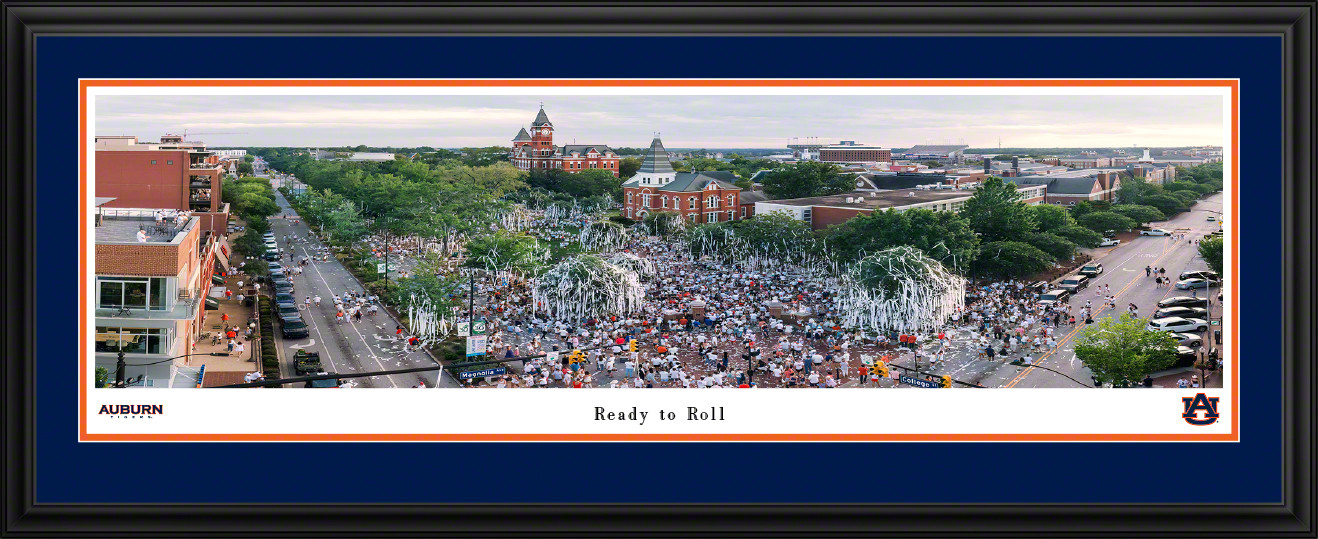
(1182, 301)
(275, 266)
(294, 328)
(1183, 312)
(1074, 283)
(1212, 218)
(277, 272)
(282, 299)
(1091, 270)
(269, 256)
(1189, 284)
(283, 287)
(1154, 232)
(1185, 357)
(1188, 339)
(289, 310)
(1200, 274)
(1054, 296)
(1177, 324)
(1108, 242)
(1039, 287)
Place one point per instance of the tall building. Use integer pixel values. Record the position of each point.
(150, 294)
(536, 151)
(171, 174)
(701, 197)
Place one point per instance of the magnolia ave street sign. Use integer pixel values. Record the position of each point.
(467, 375)
(476, 345)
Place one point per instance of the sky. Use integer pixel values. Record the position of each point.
(683, 121)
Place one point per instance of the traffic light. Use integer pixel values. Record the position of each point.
(946, 382)
(631, 345)
(881, 368)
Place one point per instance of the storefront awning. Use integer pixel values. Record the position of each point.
(217, 280)
(212, 304)
(222, 256)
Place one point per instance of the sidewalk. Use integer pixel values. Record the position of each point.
(239, 315)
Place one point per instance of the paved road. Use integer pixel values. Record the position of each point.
(1124, 274)
(345, 347)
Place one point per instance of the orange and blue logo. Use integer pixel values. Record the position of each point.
(1200, 403)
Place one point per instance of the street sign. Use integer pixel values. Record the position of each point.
(1216, 322)
(379, 268)
(478, 327)
(464, 329)
(551, 357)
(476, 345)
(918, 382)
(497, 371)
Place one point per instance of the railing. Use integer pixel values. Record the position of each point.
(204, 166)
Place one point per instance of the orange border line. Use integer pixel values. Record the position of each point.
(595, 83)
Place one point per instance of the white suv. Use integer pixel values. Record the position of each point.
(1177, 324)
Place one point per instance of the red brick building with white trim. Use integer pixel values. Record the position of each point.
(536, 151)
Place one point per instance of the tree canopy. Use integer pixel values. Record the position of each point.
(1138, 213)
(1211, 251)
(996, 211)
(1103, 221)
(1048, 217)
(943, 236)
(806, 179)
(1122, 351)
(1011, 259)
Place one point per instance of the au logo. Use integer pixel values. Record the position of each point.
(1200, 403)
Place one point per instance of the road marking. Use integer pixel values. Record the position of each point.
(301, 346)
(1025, 372)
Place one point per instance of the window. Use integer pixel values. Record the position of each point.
(743, 212)
(132, 293)
(732, 215)
(629, 198)
(153, 161)
(691, 204)
(692, 216)
(132, 340)
(664, 201)
(169, 162)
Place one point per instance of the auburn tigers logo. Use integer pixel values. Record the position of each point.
(1200, 403)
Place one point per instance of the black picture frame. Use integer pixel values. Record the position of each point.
(24, 21)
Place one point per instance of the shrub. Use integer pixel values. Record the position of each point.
(622, 220)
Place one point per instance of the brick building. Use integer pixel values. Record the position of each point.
(536, 151)
(170, 174)
(701, 197)
(150, 294)
(855, 154)
(1069, 188)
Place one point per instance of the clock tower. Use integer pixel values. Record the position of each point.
(542, 133)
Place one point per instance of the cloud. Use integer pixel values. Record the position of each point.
(684, 121)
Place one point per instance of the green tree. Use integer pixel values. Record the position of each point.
(245, 169)
(627, 167)
(997, 213)
(806, 179)
(943, 236)
(1139, 214)
(592, 182)
(1103, 221)
(1211, 251)
(1134, 190)
(502, 251)
(256, 267)
(1166, 203)
(345, 225)
(1057, 246)
(776, 234)
(1122, 351)
(249, 158)
(663, 223)
(102, 377)
(1080, 235)
(1187, 197)
(1049, 217)
(1011, 259)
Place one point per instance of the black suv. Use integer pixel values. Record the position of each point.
(294, 328)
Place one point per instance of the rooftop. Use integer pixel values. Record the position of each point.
(122, 227)
(876, 201)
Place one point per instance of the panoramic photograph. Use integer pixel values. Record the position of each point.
(861, 242)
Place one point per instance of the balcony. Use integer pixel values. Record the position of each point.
(183, 309)
(205, 166)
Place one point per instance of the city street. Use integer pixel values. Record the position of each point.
(344, 347)
(1124, 274)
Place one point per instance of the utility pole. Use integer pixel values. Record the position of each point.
(471, 299)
